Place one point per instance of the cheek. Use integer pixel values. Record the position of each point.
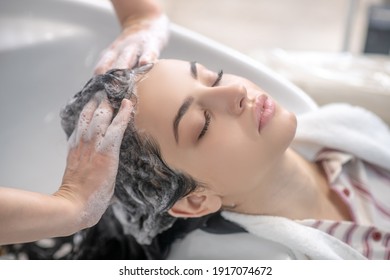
(239, 161)
(232, 173)
(229, 164)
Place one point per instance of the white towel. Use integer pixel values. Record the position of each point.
(347, 128)
(339, 126)
(305, 242)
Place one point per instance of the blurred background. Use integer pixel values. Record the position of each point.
(250, 25)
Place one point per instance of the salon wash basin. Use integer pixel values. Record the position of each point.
(48, 49)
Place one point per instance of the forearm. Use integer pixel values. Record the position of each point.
(129, 10)
(28, 216)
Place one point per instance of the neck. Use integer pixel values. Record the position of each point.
(295, 188)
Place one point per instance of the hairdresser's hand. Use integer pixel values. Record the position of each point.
(92, 163)
(141, 41)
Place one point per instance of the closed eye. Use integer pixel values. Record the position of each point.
(207, 115)
(219, 77)
(207, 118)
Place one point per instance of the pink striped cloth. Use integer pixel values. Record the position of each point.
(365, 189)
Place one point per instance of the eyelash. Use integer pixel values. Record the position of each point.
(219, 77)
(207, 118)
(207, 115)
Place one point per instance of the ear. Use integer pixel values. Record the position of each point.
(196, 204)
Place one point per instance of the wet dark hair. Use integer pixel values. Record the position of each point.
(146, 187)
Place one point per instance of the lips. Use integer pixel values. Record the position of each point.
(264, 110)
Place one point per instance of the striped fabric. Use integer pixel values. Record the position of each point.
(365, 188)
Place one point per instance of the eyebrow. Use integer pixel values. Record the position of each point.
(193, 69)
(186, 104)
(180, 113)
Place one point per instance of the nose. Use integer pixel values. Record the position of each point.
(227, 98)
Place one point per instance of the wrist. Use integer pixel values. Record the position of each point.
(82, 210)
(144, 22)
(71, 209)
(133, 11)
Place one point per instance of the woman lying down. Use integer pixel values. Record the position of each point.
(204, 142)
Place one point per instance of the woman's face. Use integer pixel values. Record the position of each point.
(224, 131)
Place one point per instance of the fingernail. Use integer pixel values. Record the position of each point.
(145, 59)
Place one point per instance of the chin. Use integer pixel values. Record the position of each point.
(293, 126)
(285, 127)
